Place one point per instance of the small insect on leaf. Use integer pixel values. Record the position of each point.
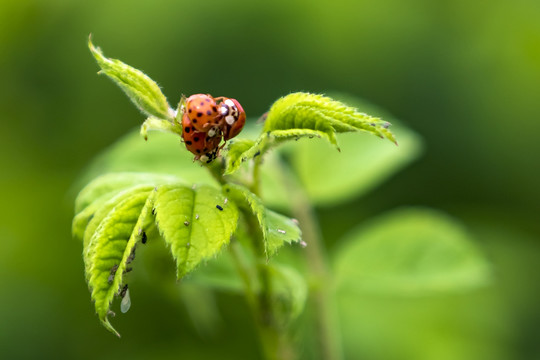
(126, 302)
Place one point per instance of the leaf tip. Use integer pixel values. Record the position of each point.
(105, 322)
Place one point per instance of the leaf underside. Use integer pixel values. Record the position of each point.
(114, 214)
(301, 115)
(276, 229)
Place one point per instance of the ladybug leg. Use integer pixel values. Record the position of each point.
(219, 98)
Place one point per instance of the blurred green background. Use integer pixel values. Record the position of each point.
(464, 75)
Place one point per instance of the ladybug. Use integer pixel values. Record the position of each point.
(203, 146)
(203, 112)
(234, 117)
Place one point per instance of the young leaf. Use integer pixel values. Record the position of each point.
(410, 252)
(300, 115)
(276, 228)
(141, 90)
(238, 152)
(330, 177)
(111, 246)
(116, 211)
(195, 223)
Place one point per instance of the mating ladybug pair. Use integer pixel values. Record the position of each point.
(207, 120)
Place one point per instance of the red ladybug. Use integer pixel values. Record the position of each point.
(202, 111)
(233, 117)
(204, 147)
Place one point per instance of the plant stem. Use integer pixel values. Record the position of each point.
(275, 344)
(322, 289)
(216, 169)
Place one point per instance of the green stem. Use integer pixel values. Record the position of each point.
(276, 345)
(322, 289)
(255, 186)
(274, 341)
(216, 169)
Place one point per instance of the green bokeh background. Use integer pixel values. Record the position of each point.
(464, 75)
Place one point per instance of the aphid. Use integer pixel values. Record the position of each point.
(219, 208)
(202, 111)
(303, 243)
(128, 269)
(131, 256)
(110, 279)
(125, 304)
(281, 231)
(234, 117)
(225, 201)
(295, 221)
(186, 223)
(144, 238)
(197, 216)
(123, 290)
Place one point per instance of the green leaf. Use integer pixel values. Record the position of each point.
(195, 223)
(162, 153)
(237, 152)
(410, 252)
(117, 210)
(301, 115)
(321, 115)
(110, 247)
(112, 183)
(276, 228)
(330, 177)
(141, 90)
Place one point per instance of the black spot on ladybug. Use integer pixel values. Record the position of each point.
(187, 129)
(194, 121)
(199, 114)
(214, 108)
(144, 238)
(196, 139)
(189, 110)
(208, 112)
(219, 208)
(198, 151)
(207, 100)
(188, 142)
(205, 149)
